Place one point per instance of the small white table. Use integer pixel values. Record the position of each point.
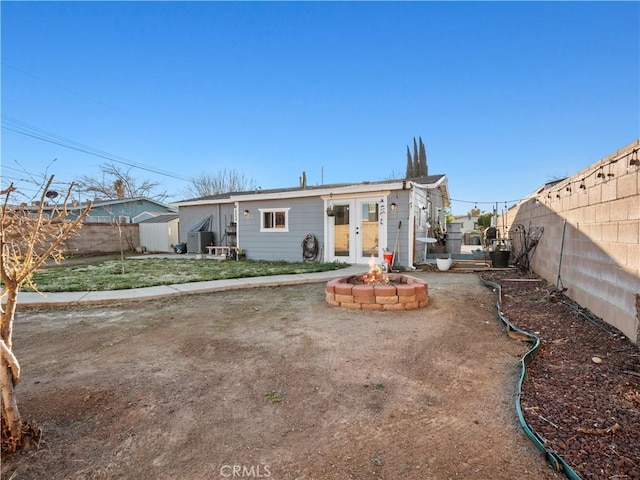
(426, 241)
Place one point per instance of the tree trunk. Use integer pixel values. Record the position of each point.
(11, 420)
(26, 241)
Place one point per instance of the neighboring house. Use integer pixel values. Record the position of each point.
(111, 224)
(350, 222)
(468, 226)
(126, 210)
(159, 233)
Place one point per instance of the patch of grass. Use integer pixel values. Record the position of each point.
(149, 272)
(538, 297)
(275, 396)
(87, 418)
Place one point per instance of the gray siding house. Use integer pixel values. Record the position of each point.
(123, 210)
(350, 223)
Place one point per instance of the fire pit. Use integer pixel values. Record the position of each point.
(376, 290)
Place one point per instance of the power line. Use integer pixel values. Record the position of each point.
(25, 129)
(28, 130)
(486, 202)
(68, 90)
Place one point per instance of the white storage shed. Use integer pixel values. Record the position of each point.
(160, 233)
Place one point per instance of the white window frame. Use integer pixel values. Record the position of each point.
(274, 211)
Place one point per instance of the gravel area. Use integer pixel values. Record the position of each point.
(582, 391)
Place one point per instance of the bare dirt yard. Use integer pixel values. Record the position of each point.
(274, 383)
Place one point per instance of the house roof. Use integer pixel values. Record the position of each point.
(430, 181)
(102, 203)
(165, 218)
(119, 201)
(550, 184)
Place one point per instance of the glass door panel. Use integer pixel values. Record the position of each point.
(341, 233)
(368, 244)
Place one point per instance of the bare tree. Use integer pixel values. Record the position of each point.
(27, 239)
(118, 182)
(206, 183)
(393, 175)
(122, 237)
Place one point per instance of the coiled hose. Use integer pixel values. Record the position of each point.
(309, 248)
(553, 457)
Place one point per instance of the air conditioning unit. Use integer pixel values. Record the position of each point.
(197, 241)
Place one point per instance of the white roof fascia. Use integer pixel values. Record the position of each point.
(440, 181)
(319, 192)
(192, 203)
(360, 188)
(316, 192)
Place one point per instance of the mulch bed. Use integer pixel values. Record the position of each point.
(582, 391)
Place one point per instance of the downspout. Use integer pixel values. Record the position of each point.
(383, 225)
(411, 230)
(326, 203)
(219, 225)
(236, 214)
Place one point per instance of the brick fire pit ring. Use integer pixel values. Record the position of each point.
(403, 292)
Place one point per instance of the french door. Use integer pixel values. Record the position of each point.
(355, 231)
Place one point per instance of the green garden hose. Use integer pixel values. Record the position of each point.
(556, 461)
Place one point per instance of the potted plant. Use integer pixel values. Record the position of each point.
(331, 211)
(500, 255)
(443, 262)
(241, 254)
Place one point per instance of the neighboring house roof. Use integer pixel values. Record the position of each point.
(120, 201)
(430, 181)
(165, 218)
(545, 186)
(78, 206)
(549, 184)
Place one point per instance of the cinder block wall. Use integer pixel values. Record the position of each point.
(599, 259)
(103, 238)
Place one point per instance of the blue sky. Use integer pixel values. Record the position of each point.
(505, 95)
